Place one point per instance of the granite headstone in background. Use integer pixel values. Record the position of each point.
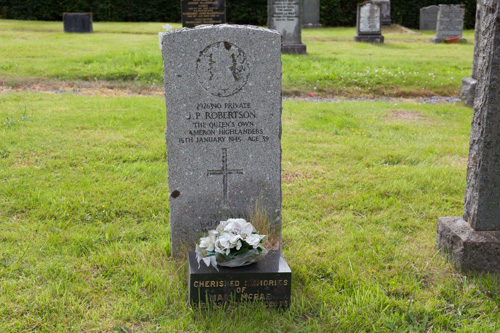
(385, 8)
(199, 12)
(450, 23)
(310, 14)
(368, 26)
(78, 22)
(472, 242)
(428, 17)
(285, 17)
(223, 98)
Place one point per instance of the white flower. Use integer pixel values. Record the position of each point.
(167, 27)
(239, 227)
(209, 242)
(254, 240)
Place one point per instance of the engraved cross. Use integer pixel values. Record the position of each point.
(225, 172)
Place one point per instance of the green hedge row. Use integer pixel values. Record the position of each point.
(333, 12)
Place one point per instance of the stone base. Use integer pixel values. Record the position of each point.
(293, 49)
(468, 91)
(467, 249)
(312, 26)
(77, 22)
(437, 40)
(369, 38)
(268, 281)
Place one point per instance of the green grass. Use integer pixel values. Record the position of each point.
(406, 65)
(84, 234)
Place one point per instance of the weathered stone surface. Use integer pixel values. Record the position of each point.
(285, 17)
(369, 27)
(78, 22)
(223, 98)
(467, 249)
(310, 14)
(268, 281)
(428, 17)
(385, 12)
(199, 12)
(450, 23)
(468, 91)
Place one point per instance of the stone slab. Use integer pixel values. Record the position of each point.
(385, 12)
(293, 49)
(428, 17)
(450, 21)
(369, 38)
(223, 136)
(268, 281)
(78, 22)
(200, 12)
(437, 40)
(285, 17)
(310, 14)
(369, 19)
(467, 249)
(468, 91)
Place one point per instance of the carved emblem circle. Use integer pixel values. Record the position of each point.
(222, 69)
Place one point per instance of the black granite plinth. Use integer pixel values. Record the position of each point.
(369, 38)
(293, 49)
(268, 281)
(201, 12)
(77, 22)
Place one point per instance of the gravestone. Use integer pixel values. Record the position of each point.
(472, 242)
(310, 14)
(450, 23)
(199, 12)
(285, 17)
(78, 22)
(385, 8)
(428, 17)
(368, 23)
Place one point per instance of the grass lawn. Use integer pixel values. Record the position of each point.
(84, 217)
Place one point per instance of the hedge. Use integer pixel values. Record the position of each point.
(333, 12)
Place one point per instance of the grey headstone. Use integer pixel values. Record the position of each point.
(369, 26)
(428, 17)
(482, 194)
(385, 12)
(78, 22)
(285, 17)
(310, 14)
(223, 98)
(201, 12)
(468, 90)
(450, 22)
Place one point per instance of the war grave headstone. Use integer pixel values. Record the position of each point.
(385, 8)
(285, 17)
(450, 23)
(223, 101)
(472, 242)
(310, 14)
(468, 91)
(428, 17)
(368, 23)
(78, 22)
(199, 12)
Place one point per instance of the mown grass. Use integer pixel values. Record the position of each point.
(84, 234)
(406, 65)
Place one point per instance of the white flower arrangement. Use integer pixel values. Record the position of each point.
(233, 243)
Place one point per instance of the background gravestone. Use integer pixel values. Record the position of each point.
(199, 12)
(368, 23)
(78, 22)
(428, 17)
(385, 8)
(310, 14)
(450, 23)
(285, 17)
(223, 99)
(472, 242)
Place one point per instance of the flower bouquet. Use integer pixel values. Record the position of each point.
(233, 243)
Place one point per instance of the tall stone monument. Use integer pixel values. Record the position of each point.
(450, 23)
(428, 17)
(368, 23)
(385, 8)
(310, 14)
(285, 17)
(199, 12)
(472, 242)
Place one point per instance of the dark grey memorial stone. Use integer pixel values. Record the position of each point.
(368, 26)
(285, 17)
(199, 12)
(223, 99)
(310, 14)
(77, 22)
(385, 12)
(268, 281)
(482, 194)
(428, 17)
(450, 23)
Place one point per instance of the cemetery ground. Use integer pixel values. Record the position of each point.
(84, 233)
